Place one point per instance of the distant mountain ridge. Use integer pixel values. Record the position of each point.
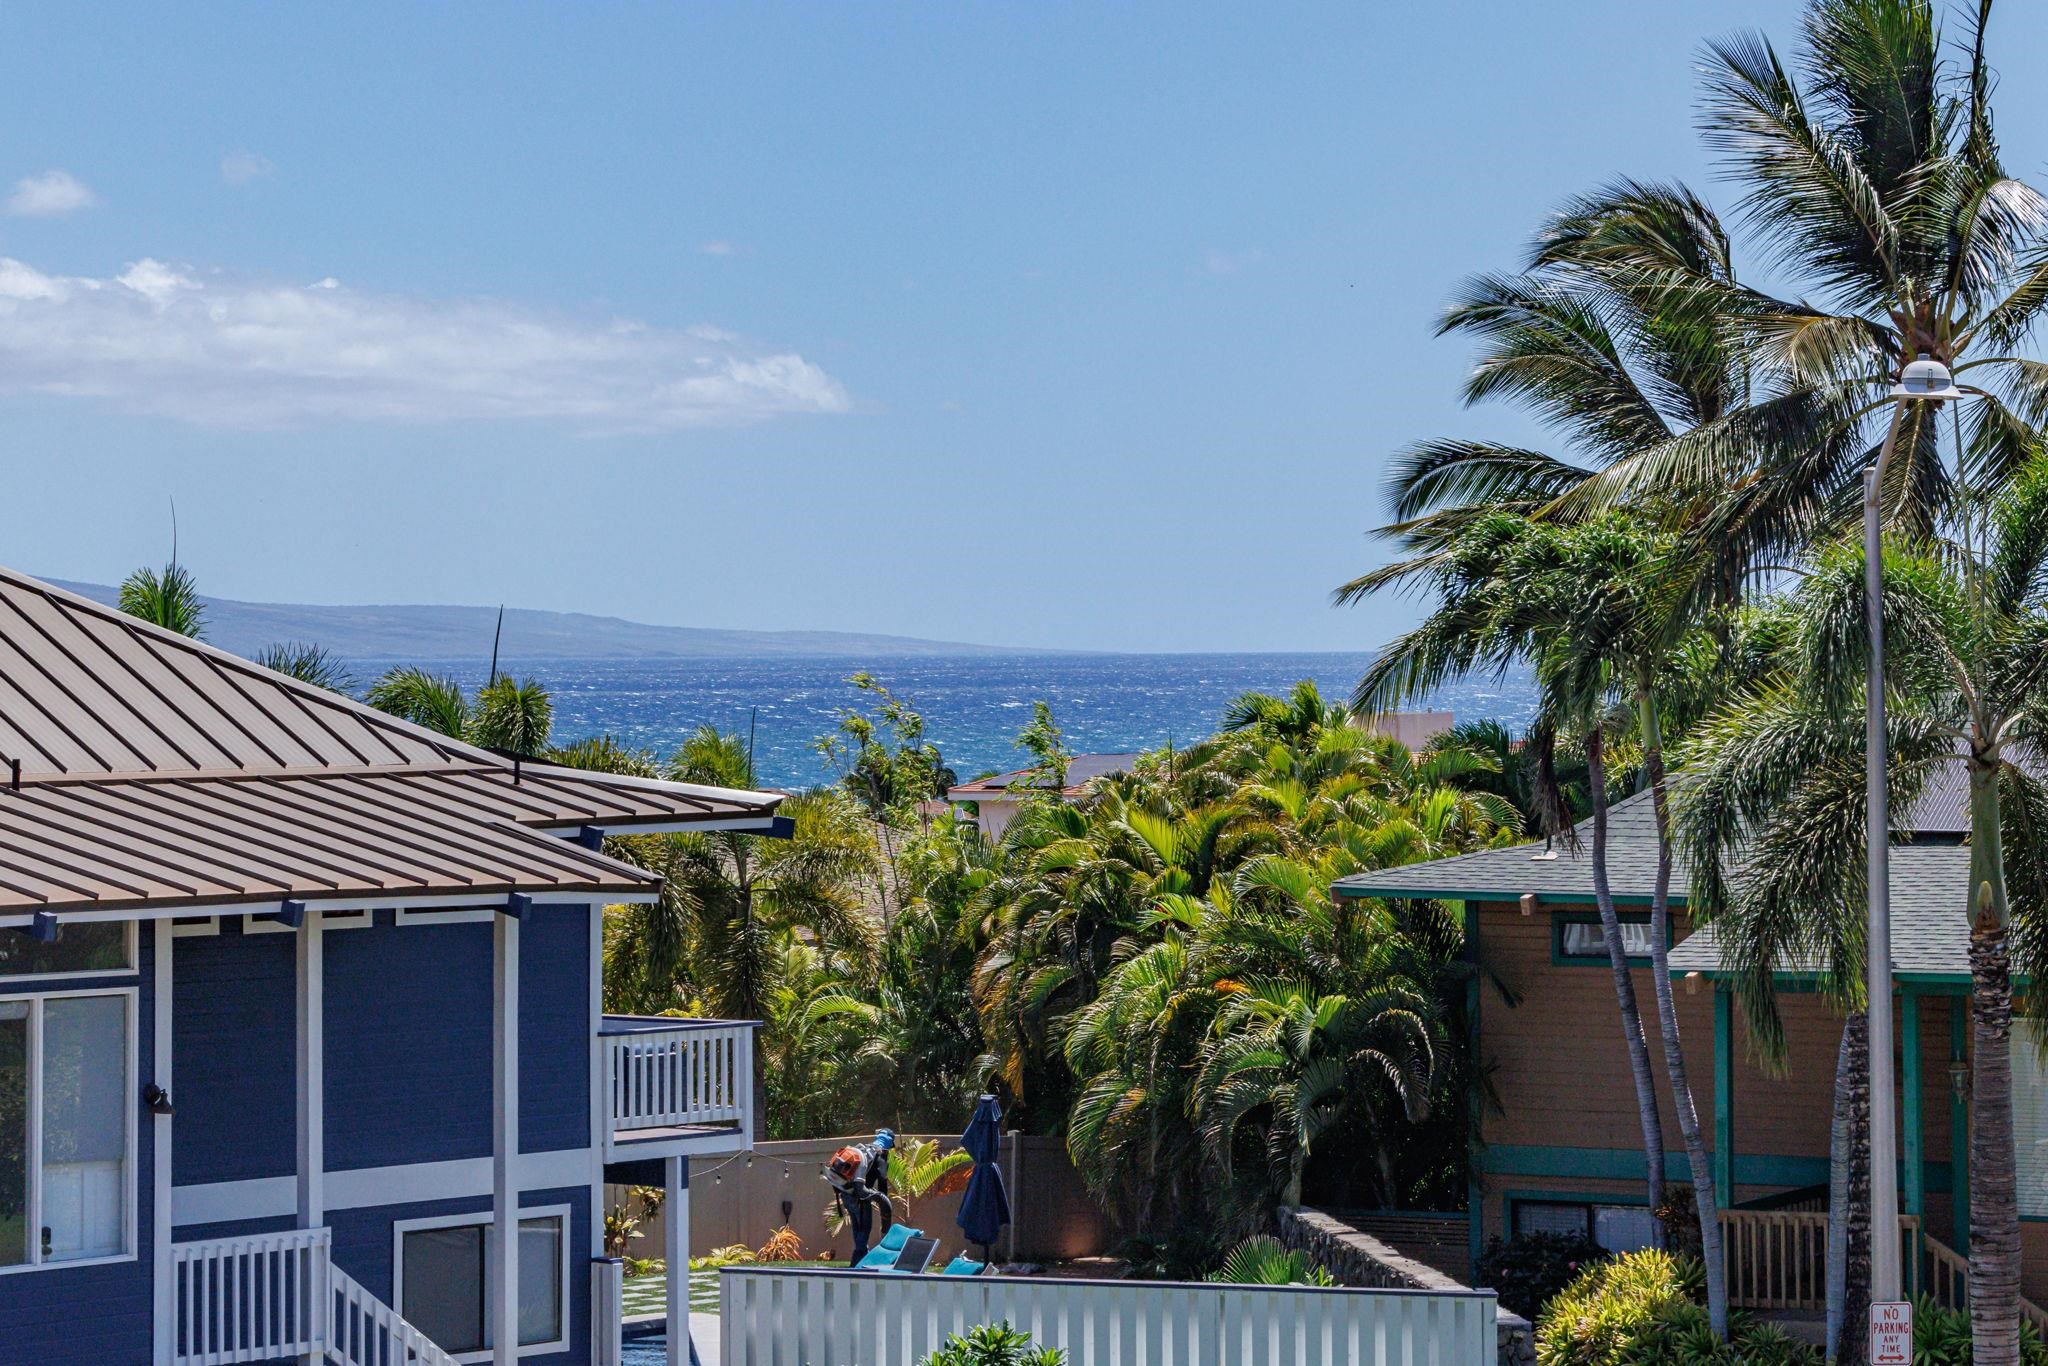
(429, 633)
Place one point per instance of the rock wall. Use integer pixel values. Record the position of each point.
(1359, 1259)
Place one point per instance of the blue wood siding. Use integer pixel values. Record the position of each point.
(408, 1043)
(364, 1244)
(234, 1003)
(92, 1315)
(554, 1028)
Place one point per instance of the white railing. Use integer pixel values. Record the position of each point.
(365, 1331)
(249, 1299)
(770, 1317)
(675, 1075)
(269, 1295)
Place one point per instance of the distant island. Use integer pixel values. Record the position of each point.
(427, 633)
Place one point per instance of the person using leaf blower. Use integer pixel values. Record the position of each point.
(859, 1174)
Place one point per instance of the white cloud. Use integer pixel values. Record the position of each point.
(1221, 262)
(49, 195)
(225, 351)
(239, 168)
(718, 248)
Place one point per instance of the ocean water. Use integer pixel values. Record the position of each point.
(973, 705)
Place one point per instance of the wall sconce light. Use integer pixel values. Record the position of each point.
(157, 1099)
(1959, 1078)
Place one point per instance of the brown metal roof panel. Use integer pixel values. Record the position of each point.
(129, 695)
(42, 699)
(398, 797)
(79, 814)
(225, 838)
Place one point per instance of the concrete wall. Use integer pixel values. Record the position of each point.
(734, 1202)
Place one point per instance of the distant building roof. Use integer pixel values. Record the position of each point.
(1082, 769)
(139, 768)
(1930, 878)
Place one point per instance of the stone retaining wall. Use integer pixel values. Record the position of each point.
(1359, 1259)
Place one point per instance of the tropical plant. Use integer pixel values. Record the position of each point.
(993, 1344)
(308, 663)
(168, 598)
(1265, 1260)
(1645, 1307)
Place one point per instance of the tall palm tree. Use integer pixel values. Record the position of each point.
(308, 663)
(506, 715)
(1966, 629)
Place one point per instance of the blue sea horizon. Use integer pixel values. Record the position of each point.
(973, 705)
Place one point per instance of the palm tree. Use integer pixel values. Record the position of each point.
(505, 715)
(308, 663)
(1966, 628)
(1870, 173)
(169, 599)
(1486, 620)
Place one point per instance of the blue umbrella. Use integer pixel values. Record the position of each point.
(985, 1207)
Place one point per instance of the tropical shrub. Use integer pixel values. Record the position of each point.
(783, 1245)
(1644, 1309)
(738, 1254)
(1528, 1271)
(994, 1344)
(1265, 1260)
(1941, 1337)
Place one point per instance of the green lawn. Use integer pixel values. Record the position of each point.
(649, 1294)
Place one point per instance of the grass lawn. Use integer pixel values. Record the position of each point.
(649, 1294)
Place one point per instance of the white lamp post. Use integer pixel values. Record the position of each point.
(1923, 381)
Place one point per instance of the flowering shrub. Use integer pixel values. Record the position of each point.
(1527, 1271)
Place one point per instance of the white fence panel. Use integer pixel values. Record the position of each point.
(249, 1298)
(672, 1077)
(772, 1317)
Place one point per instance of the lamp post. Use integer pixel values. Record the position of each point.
(1923, 381)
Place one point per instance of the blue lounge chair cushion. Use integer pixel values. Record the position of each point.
(882, 1256)
(963, 1265)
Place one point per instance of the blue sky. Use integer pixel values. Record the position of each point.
(1052, 325)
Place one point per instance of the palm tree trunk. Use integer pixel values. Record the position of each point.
(1624, 983)
(1848, 1254)
(1994, 1190)
(1703, 1193)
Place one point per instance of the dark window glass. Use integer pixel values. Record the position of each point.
(82, 946)
(13, 1132)
(444, 1286)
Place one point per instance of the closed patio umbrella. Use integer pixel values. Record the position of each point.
(985, 1207)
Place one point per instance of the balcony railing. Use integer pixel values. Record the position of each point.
(665, 1074)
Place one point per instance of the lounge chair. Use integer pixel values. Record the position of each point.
(882, 1256)
(964, 1265)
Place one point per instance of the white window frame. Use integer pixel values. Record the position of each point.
(34, 1137)
(194, 926)
(329, 920)
(401, 1227)
(130, 939)
(464, 915)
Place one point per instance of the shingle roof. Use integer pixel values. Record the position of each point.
(157, 771)
(1930, 881)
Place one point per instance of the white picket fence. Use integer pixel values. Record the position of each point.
(770, 1317)
(263, 1296)
(685, 1073)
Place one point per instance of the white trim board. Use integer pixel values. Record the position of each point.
(276, 1197)
(541, 897)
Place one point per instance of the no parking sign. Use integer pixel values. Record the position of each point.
(1891, 1333)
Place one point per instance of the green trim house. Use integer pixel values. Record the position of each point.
(1563, 1148)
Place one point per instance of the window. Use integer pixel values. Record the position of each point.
(1618, 1228)
(1581, 940)
(2029, 1122)
(329, 920)
(67, 1128)
(441, 1286)
(81, 948)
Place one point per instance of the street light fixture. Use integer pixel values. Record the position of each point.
(1925, 380)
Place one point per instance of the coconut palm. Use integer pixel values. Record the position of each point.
(506, 715)
(308, 663)
(1966, 630)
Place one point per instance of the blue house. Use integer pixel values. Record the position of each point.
(302, 1055)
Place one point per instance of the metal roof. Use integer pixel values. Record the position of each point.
(164, 842)
(158, 772)
(87, 689)
(1082, 769)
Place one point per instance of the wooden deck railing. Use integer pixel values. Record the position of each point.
(672, 1074)
(266, 1296)
(1777, 1259)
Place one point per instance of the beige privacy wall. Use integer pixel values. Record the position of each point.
(734, 1202)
